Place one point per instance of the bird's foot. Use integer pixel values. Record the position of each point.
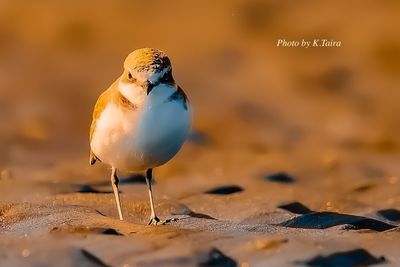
(156, 221)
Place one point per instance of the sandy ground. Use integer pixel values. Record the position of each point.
(294, 156)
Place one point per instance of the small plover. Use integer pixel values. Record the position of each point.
(141, 121)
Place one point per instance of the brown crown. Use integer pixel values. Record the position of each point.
(145, 59)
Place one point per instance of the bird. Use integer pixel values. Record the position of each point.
(141, 121)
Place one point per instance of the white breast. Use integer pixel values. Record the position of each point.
(143, 138)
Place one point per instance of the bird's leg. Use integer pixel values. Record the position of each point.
(153, 218)
(114, 183)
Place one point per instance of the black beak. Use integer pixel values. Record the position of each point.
(148, 86)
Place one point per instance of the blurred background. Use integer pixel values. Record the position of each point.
(257, 107)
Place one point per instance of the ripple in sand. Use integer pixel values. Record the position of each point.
(390, 214)
(352, 258)
(225, 190)
(364, 188)
(85, 230)
(295, 207)
(216, 258)
(280, 177)
(93, 258)
(325, 219)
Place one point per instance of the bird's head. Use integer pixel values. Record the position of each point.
(144, 69)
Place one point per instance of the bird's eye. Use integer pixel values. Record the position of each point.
(129, 75)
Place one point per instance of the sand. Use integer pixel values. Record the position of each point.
(294, 156)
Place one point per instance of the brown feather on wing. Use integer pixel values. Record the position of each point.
(100, 105)
(112, 94)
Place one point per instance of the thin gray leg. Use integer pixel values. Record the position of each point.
(114, 183)
(153, 218)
